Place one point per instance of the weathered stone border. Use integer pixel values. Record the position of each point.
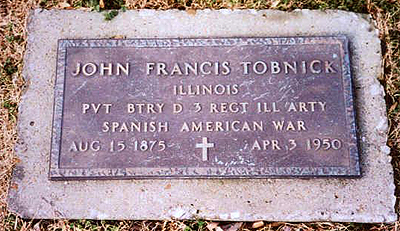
(368, 199)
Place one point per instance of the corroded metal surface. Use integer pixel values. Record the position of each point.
(195, 108)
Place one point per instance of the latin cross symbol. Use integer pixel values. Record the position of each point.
(204, 146)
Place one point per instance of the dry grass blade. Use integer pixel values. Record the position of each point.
(3, 8)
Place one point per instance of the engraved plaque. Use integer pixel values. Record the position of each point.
(203, 108)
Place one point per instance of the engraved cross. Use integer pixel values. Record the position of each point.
(204, 146)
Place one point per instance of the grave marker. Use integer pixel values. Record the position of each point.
(272, 107)
(367, 198)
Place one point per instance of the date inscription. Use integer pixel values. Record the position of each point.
(203, 108)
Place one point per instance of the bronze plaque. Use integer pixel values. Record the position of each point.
(203, 108)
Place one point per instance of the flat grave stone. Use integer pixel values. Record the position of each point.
(203, 108)
(203, 119)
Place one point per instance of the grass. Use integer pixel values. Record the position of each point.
(12, 45)
(110, 15)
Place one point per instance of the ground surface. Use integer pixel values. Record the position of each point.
(12, 44)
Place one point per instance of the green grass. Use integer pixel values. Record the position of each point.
(110, 15)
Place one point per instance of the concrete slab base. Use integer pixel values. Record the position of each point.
(366, 199)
